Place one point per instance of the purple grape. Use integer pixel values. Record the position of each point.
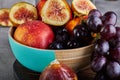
(94, 23)
(117, 33)
(102, 47)
(57, 45)
(80, 32)
(59, 30)
(114, 42)
(72, 44)
(63, 37)
(94, 54)
(101, 76)
(98, 63)
(109, 17)
(61, 34)
(118, 44)
(108, 32)
(113, 69)
(115, 54)
(94, 12)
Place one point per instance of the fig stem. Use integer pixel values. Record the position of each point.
(55, 62)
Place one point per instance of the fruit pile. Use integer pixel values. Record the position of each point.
(69, 31)
(52, 24)
(105, 59)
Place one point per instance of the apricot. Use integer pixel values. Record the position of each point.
(72, 23)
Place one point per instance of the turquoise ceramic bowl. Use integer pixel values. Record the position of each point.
(28, 56)
(38, 59)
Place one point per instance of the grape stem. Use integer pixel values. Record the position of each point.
(96, 36)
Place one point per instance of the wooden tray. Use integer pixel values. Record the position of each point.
(22, 73)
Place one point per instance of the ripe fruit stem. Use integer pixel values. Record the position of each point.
(96, 36)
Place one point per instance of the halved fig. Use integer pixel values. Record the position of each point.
(22, 12)
(4, 17)
(58, 71)
(82, 7)
(56, 12)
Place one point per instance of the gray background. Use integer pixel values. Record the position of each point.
(7, 58)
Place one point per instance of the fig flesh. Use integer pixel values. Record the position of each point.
(82, 7)
(22, 12)
(58, 71)
(4, 17)
(56, 12)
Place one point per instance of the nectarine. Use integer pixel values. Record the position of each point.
(35, 34)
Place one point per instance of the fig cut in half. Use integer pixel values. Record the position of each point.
(22, 12)
(56, 12)
(4, 17)
(82, 7)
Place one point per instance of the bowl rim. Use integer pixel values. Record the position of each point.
(10, 32)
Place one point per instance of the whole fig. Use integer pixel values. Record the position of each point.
(57, 71)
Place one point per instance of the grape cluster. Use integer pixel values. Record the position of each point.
(105, 59)
(80, 36)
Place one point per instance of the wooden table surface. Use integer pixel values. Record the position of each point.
(7, 58)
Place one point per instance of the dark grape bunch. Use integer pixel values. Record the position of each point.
(80, 36)
(105, 59)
